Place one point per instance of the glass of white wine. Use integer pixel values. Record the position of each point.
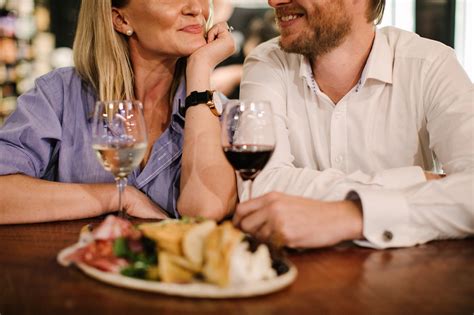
(119, 139)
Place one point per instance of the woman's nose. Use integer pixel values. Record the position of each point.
(193, 7)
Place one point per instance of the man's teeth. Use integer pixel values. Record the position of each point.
(288, 18)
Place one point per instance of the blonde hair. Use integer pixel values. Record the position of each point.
(101, 55)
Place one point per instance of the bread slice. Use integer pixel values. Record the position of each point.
(167, 235)
(194, 240)
(218, 249)
(170, 271)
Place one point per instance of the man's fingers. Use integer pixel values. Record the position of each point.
(245, 208)
(254, 221)
(433, 176)
(265, 232)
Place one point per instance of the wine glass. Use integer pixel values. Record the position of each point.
(248, 137)
(119, 139)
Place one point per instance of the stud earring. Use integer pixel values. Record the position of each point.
(129, 32)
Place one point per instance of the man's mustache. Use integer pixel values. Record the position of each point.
(289, 10)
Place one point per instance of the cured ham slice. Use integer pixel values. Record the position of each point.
(114, 227)
(98, 252)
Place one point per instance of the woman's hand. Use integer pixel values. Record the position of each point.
(220, 45)
(299, 222)
(137, 204)
(202, 62)
(202, 191)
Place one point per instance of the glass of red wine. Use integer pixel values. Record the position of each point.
(248, 137)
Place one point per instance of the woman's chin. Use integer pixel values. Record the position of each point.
(193, 47)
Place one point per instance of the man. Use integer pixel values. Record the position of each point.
(362, 115)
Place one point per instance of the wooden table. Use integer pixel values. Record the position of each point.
(437, 278)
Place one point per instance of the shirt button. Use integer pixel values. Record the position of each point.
(387, 236)
(339, 159)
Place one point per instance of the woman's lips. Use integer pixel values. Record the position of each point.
(193, 29)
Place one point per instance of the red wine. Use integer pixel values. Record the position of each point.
(248, 160)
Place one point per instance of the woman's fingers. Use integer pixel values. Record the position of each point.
(216, 31)
(160, 214)
(138, 204)
(220, 45)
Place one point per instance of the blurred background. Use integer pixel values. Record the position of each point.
(36, 36)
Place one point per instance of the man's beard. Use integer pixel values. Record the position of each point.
(328, 27)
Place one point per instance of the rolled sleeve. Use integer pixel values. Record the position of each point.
(30, 133)
(16, 161)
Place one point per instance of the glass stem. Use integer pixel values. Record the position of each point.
(121, 184)
(250, 189)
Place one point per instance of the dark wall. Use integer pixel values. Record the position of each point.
(63, 20)
(435, 20)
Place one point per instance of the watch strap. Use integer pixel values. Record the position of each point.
(196, 98)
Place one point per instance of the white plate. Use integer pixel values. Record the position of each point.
(195, 290)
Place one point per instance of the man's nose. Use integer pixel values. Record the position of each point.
(276, 3)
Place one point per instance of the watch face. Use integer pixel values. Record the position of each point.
(216, 99)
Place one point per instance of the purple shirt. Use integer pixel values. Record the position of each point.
(49, 137)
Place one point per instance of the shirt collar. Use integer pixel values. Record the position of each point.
(306, 72)
(179, 99)
(379, 65)
(90, 98)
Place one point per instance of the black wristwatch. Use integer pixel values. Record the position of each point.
(210, 98)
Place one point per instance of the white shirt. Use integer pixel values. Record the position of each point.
(413, 101)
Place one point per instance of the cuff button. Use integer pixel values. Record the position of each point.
(387, 236)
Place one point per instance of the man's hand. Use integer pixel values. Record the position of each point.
(433, 176)
(137, 204)
(299, 222)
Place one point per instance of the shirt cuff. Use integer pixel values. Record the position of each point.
(386, 218)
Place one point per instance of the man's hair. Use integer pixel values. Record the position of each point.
(375, 10)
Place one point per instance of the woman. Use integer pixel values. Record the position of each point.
(155, 51)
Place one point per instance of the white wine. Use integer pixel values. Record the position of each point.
(120, 159)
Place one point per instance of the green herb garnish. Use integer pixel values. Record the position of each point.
(135, 270)
(121, 247)
(139, 261)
